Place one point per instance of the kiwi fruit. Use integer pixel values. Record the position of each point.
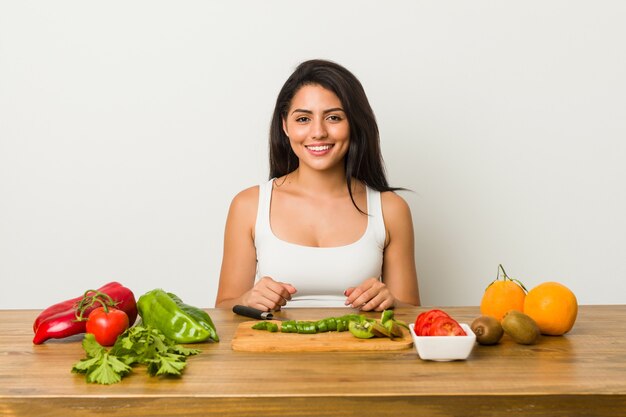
(521, 327)
(379, 330)
(488, 330)
(394, 328)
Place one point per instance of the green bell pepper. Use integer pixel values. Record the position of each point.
(176, 320)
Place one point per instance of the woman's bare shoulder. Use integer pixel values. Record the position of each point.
(250, 193)
(394, 205)
(245, 202)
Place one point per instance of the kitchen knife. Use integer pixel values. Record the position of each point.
(255, 313)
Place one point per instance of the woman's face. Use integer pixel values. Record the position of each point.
(318, 128)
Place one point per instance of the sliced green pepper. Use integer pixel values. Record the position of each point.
(266, 325)
(262, 325)
(176, 320)
(344, 321)
(358, 325)
(331, 322)
(322, 326)
(306, 327)
(385, 316)
(341, 325)
(288, 326)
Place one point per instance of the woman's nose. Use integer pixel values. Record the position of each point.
(318, 130)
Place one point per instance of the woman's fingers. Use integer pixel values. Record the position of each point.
(268, 294)
(372, 294)
(380, 302)
(359, 295)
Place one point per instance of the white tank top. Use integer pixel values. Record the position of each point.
(321, 275)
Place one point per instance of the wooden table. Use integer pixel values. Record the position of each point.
(582, 373)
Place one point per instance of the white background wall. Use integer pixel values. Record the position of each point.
(126, 127)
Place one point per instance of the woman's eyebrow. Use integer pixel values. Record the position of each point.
(325, 111)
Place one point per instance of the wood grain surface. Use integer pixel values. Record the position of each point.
(579, 374)
(247, 339)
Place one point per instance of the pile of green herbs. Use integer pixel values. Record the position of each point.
(139, 345)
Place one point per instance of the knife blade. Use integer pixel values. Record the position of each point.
(255, 313)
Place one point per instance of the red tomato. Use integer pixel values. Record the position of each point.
(446, 326)
(425, 320)
(106, 327)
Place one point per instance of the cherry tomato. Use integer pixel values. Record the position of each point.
(446, 326)
(425, 320)
(107, 326)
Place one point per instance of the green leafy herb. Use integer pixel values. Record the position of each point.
(138, 345)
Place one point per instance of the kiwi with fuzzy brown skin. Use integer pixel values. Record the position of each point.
(488, 330)
(521, 327)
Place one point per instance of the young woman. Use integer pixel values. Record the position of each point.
(326, 230)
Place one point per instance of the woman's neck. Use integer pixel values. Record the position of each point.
(318, 182)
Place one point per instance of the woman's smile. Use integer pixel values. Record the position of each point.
(318, 128)
(319, 150)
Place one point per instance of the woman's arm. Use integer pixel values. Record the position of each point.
(399, 277)
(236, 285)
(399, 273)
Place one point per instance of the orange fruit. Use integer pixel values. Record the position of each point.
(553, 306)
(502, 296)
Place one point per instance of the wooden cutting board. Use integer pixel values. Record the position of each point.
(247, 339)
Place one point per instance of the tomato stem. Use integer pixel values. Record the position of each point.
(105, 306)
(90, 297)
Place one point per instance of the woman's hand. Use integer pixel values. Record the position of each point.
(372, 294)
(268, 295)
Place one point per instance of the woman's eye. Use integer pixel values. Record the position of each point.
(302, 119)
(335, 118)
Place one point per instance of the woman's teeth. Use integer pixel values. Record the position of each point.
(319, 148)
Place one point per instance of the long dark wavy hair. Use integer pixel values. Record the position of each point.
(364, 160)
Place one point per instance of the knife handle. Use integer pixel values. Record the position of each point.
(252, 312)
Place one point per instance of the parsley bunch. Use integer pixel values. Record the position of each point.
(138, 345)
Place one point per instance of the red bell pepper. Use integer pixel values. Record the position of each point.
(68, 318)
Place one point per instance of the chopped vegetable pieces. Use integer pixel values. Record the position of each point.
(360, 326)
